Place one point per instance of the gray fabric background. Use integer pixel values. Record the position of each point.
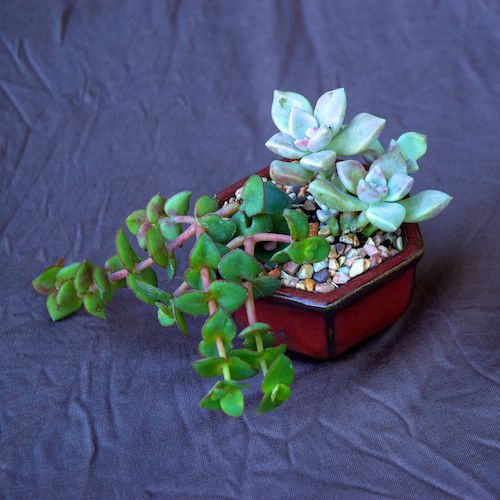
(103, 104)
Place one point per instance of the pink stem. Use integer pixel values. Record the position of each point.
(183, 287)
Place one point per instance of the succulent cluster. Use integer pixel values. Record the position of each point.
(238, 244)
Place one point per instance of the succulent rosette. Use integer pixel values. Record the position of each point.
(313, 138)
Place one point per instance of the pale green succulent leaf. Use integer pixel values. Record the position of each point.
(399, 186)
(375, 176)
(320, 161)
(369, 193)
(330, 109)
(282, 145)
(412, 166)
(374, 150)
(390, 163)
(386, 216)
(413, 145)
(283, 102)
(333, 197)
(350, 172)
(299, 122)
(289, 174)
(361, 131)
(425, 205)
(320, 139)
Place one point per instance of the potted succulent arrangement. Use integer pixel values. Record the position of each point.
(324, 236)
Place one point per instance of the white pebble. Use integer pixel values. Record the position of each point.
(357, 268)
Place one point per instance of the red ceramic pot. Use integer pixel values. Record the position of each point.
(325, 325)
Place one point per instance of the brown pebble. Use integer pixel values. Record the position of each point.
(376, 259)
(302, 192)
(309, 206)
(313, 228)
(291, 267)
(275, 273)
(310, 284)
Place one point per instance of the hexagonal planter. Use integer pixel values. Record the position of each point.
(325, 325)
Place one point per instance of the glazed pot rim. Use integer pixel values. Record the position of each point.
(356, 287)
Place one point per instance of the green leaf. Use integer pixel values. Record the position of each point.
(281, 393)
(253, 358)
(157, 247)
(83, 278)
(113, 265)
(209, 367)
(194, 303)
(205, 205)
(45, 282)
(218, 391)
(104, 286)
(148, 275)
(169, 229)
(253, 196)
(386, 216)
(204, 253)
(248, 334)
(333, 197)
(165, 315)
(289, 173)
(137, 291)
(171, 267)
(280, 372)
(330, 109)
(67, 273)
(232, 404)
(237, 265)
(180, 320)
(231, 296)
(125, 251)
(218, 228)
(154, 209)
(264, 286)
(146, 292)
(425, 205)
(262, 223)
(142, 234)
(94, 305)
(350, 172)
(134, 221)
(68, 306)
(313, 249)
(193, 278)
(322, 161)
(283, 102)
(390, 163)
(357, 136)
(412, 145)
(240, 369)
(333, 224)
(281, 256)
(297, 222)
(275, 200)
(178, 204)
(220, 325)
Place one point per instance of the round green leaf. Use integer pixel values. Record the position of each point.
(169, 229)
(194, 303)
(165, 315)
(297, 223)
(178, 204)
(204, 253)
(94, 305)
(209, 367)
(45, 282)
(68, 306)
(240, 369)
(134, 221)
(262, 223)
(264, 286)
(232, 404)
(205, 205)
(280, 372)
(313, 249)
(83, 277)
(229, 295)
(220, 325)
(237, 265)
(412, 145)
(253, 196)
(157, 247)
(193, 278)
(218, 228)
(154, 209)
(67, 273)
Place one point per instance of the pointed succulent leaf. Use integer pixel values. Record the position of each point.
(297, 223)
(237, 265)
(281, 256)
(220, 324)
(67, 272)
(299, 122)
(264, 286)
(125, 251)
(313, 249)
(113, 265)
(390, 163)
(180, 319)
(154, 209)
(240, 369)
(154, 293)
(350, 172)
(330, 109)
(320, 139)
(193, 278)
(375, 176)
(94, 305)
(386, 216)
(204, 253)
(138, 291)
(394, 148)
(169, 229)
(321, 161)
(361, 131)
(209, 367)
(333, 197)
(142, 234)
(374, 150)
(171, 266)
(220, 229)
(148, 275)
(254, 328)
(283, 145)
(134, 221)
(280, 372)
(104, 286)
(399, 186)
(250, 357)
(268, 403)
(262, 223)
(83, 278)
(178, 204)
(413, 145)
(283, 102)
(230, 296)
(412, 166)
(67, 295)
(253, 196)
(425, 205)
(232, 404)
(359, 223)
(194, 303)
(368, 192)
(70, 305)
(45, 283)
(275, 201)
(205, 205)
(165, 315)
(289, 173)
(156, 247)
